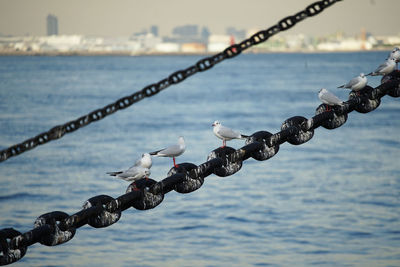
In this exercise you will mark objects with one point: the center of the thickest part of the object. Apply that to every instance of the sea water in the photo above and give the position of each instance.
(332, 201)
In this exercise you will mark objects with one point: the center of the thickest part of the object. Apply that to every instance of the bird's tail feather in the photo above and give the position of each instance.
(244, 136)
(113, 173)
(342, 86)
(155, 152)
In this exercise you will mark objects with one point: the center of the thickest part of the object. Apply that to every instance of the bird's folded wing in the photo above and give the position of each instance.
(352, 82)
(332, 98)
(227, 132)
(170, 150)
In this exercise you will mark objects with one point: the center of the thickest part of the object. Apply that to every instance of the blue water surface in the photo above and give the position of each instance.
(333, 201)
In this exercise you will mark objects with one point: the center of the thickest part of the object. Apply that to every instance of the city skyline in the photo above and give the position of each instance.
(122, 17)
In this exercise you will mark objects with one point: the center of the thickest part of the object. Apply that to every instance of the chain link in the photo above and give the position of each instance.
(103, 218)
(202, 65)
(57, 227)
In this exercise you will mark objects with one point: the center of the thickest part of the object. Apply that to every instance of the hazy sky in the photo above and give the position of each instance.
(124, 17)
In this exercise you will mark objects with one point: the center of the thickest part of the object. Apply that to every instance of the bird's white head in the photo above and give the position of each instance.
(216, 123)
(323, 90)
(362, 75)
(181, 140)
(146, 161)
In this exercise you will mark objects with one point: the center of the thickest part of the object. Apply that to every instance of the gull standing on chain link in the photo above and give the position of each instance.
(172, 151)
(226, 133)
(356, 84)
(141, 169)
(329, 99)
(395, 54)
(385, 68)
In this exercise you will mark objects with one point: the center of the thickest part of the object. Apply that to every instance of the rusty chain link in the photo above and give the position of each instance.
(57, 227)
(176, 77)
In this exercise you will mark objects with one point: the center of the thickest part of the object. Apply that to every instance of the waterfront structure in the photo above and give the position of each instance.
(52, 25)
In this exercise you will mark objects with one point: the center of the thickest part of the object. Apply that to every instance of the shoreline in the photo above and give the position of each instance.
(128, 53)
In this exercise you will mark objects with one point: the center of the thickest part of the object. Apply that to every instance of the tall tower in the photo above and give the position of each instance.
(52, 25)
(154, 30)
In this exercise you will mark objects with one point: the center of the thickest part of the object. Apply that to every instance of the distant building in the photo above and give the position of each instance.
(154, 30)
(186, 31)
(138, 34)
(167, 48)
(217, 43)
(187, 34)
(146, 41)
(205, 33)
(52, 25)
(193, 48)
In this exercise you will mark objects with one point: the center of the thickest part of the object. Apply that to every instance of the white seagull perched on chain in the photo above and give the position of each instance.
(385, 68)
(141, 169)
(395, 54)
(226, 133)
(329, 99)
(172, 151)
(356, 84)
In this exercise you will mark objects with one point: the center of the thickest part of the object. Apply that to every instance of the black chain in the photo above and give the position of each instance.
(176, 77)
(57, 227)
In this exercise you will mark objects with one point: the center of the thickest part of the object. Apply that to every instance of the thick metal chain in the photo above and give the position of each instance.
(57, 227)
(176, 77)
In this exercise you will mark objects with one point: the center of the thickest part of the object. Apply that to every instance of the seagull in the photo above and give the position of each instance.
(140, 169)
(356, 84)
(395, 54)
(132, 174)
(329, 99)
(385, 68)
(172, 151)
(226, 133)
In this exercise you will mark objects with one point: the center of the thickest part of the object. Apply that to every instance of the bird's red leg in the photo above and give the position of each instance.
(327, 108)
(175, 165)
(223, 143)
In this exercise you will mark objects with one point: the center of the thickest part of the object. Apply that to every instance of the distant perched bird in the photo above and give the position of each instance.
(172, 151)
(328, 98)
(356, 84)
(226, 133)
(395, 54)
(132, 174)
(385, 68)
(140, 169)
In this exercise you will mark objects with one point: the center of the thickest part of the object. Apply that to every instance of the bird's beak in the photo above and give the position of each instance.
(213, 124)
